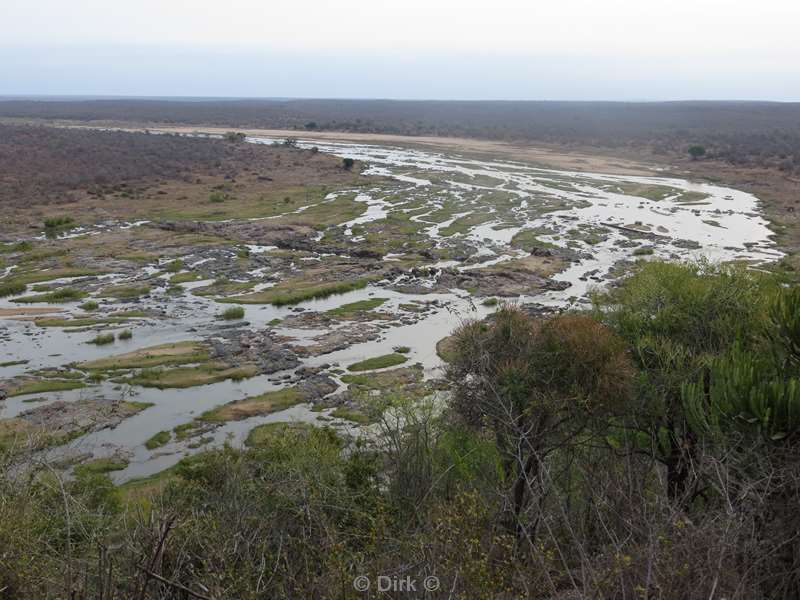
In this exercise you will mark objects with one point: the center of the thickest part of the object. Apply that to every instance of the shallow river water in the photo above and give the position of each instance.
(677, 219)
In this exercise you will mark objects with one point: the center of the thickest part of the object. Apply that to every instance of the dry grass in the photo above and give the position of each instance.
(165, 354)
(264, 404)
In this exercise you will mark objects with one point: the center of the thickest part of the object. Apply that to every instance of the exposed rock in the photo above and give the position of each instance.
(252, 232)
(317, 387)
(339, 339)
(257, 347)
(83, 416)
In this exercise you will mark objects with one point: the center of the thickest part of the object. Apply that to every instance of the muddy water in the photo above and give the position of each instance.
(687, 220)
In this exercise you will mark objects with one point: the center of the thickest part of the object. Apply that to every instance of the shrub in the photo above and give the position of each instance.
(58, 222)
(102, 339)
(378, 362)
(535, 384)
(234, 312)
(11, 289)
(159, 439)
(676, 319)
(696, 151)
(173, 266)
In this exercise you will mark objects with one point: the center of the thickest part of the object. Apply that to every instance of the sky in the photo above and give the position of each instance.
(404, 49)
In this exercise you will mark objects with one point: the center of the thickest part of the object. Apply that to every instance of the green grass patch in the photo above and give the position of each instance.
(102, 339)
(89, 305)
(351, 414)
(185, 277)
(99, 466)
(42, 387)
(445, 349)
(13, 363)
(354, 307)
(221, 287)
(154, 356)
(58, 374)
(527, 239)
(125, 334)
(173, 266)
(82, 322)
(264, 434)
(232, 313)
(295, 292)
(42, 275)
(11, 289)
(263, 404)
(185, 377)
(56, 297)
(160, 439)
(378, 362)
(16, 247)
(58, 222)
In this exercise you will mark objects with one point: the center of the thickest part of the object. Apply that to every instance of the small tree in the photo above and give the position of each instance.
(538, 386)
(348, 163)
(234, 136)
(696, 151)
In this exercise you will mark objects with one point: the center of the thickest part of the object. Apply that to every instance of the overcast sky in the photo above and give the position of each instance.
(447, 49)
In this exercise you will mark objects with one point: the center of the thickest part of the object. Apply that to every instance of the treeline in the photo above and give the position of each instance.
(743, 133)
(647, 448)
(40, 165)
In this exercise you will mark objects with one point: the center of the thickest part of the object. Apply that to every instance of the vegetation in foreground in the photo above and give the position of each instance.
(645, 449)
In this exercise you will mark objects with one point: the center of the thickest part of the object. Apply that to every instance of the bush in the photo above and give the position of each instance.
(11, 289)
(234, 312)
(57, 222)
(696, 151)
(159, 439)
(102, 339)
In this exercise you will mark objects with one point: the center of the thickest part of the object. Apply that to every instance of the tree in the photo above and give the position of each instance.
(696, 151)
(234, 136)
(348, 163)
(536, 385)
(677, 319)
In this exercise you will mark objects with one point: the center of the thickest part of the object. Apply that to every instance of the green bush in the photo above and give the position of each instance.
(11, 289)
(102, 339)
(58, 222)
(234, 312)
